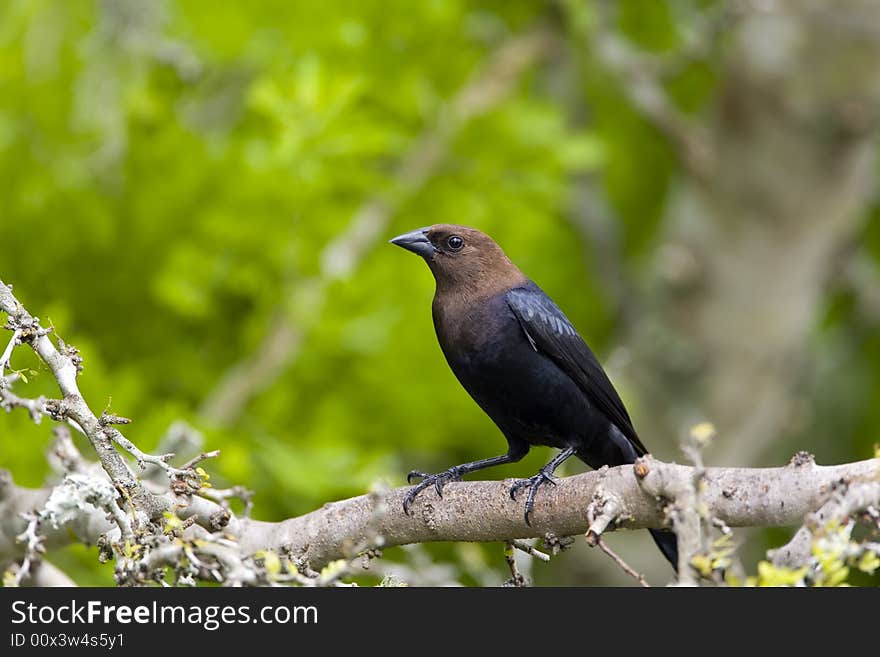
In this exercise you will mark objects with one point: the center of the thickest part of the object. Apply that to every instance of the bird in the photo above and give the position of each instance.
(524, 364)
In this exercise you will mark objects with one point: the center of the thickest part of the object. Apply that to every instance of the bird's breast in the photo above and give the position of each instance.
(487, 350)
(522, 390)
(474, 330)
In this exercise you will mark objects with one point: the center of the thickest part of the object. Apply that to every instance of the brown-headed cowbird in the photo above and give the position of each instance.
(523, 362)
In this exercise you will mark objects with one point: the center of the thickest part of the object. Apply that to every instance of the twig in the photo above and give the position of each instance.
(7, 353)
(516, 578)
(629, 570)
(223, 495)
(179, 439)
(194, 461)
(602, 512)
(530, 550)
(142, 458)
(33, 548)
(36, 408)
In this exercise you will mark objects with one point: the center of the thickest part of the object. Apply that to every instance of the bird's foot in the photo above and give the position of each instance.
(533, 484)
(438, 481)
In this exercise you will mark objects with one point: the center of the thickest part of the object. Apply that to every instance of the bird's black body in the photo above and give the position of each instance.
(518, 356)
(523, 362)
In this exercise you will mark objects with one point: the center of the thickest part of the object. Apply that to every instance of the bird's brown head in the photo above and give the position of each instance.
(462, 259)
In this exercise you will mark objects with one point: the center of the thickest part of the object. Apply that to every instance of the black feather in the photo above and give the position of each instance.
(552, 334)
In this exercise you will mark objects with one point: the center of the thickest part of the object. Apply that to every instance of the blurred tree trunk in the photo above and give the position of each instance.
(772, 196)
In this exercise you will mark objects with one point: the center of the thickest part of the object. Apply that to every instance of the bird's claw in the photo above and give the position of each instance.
(533, 484)
(438, 481)
(416, 474)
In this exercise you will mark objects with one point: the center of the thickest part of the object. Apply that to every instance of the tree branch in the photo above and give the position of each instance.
(483, 511)
(479, 510)
(65, 364)
(845, 502)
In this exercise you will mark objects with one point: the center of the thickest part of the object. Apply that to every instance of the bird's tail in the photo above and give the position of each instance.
(667, 543)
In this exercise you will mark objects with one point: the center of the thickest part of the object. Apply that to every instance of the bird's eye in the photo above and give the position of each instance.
(455, 243)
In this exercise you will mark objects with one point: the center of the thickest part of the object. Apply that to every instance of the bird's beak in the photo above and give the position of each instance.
(416, 241)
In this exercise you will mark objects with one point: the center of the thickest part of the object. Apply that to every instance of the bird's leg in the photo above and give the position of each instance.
(439, 480)
(544, 476)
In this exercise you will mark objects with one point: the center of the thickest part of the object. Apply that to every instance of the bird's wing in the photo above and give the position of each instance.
(550, 333)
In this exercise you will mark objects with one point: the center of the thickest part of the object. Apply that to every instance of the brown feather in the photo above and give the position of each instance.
(480, 270)
(465, 278)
